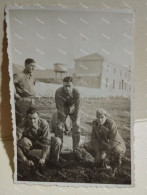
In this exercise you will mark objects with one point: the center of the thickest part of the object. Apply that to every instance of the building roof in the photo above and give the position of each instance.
(98, 57)
(94, 56)
(58, 67)
(87, 75)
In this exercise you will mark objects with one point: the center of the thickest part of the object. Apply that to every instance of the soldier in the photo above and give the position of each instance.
(24, 89)
(106, 140)
(67, 100)
(34, 133)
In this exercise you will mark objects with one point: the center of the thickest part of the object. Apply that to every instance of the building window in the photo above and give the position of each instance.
(113, 84)
(120, 72)
(126, 75)
(122, 84)
(119, 84)
(107, 67)
(125, 85)
(114, 70)
(106, 82)
(129, 76)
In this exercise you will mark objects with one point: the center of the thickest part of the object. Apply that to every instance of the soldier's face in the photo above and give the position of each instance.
(30, 67)
(101, 118)
(68, 86)
(32, 119)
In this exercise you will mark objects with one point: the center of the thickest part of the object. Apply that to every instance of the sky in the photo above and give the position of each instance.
(60, 36)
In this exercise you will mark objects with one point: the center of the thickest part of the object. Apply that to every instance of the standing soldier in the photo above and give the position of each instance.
(67, 100)
(24, 89)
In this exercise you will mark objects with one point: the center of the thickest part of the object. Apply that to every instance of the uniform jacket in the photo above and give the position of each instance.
(24, 84)
(67, 104)
(105, 134)
(40, 134)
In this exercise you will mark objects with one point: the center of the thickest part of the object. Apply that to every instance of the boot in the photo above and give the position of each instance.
(76, 141)
(103, 164)
(77, 154)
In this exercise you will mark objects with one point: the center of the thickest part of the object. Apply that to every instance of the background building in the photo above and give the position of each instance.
(94, 71)
(55, 75)
(93, 74)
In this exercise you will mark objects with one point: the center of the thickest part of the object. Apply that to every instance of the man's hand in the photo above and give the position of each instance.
(103, 155)
(60, 126)
(107, 146)
(78, 122)
(29, 162)
(42, 161)
(17, 97)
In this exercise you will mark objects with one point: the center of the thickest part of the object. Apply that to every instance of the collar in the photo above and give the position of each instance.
(70, 94)
(25, 72)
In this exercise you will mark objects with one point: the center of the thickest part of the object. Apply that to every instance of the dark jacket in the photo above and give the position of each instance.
(40, 137)
(67, 104)
(42, 134)
(106, 134)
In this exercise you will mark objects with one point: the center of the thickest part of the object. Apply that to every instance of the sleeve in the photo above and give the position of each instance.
(94, 139)
(15, 78)
(77, 105)
(15, 81)
(20, 130)
(20, 154)
(45, 139)
(19, 133)
(59, 105)
(46, 134)
(113, 131)
(78, 102)
(59, 101)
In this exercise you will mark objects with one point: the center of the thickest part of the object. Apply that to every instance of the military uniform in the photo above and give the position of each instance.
(106, 138)
(38, 137)
(68, 105)
(24, 87)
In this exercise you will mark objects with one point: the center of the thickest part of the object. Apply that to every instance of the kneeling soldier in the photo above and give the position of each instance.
(34, 133)
(106, 139)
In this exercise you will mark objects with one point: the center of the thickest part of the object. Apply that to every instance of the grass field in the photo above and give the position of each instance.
(73, 171)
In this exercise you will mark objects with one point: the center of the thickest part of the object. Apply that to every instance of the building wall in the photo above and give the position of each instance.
(116, 79)
(44, 73)
(88, 73)
(111, 78)
(88, 81)
(88, 66)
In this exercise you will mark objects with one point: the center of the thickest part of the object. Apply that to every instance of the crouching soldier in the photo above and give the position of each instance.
(33, 134)
(106, 139)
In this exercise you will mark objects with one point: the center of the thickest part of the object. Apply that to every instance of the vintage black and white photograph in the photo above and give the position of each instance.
(71, 85)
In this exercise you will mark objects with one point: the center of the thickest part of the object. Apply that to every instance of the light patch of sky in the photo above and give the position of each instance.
(72, 28)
